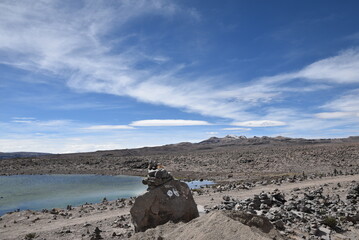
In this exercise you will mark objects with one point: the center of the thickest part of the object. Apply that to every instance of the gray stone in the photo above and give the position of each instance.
(279, 225)
(324, 233)
(171, 201)
(353, 193)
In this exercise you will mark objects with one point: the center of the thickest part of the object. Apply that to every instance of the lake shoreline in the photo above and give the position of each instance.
(112, 217)
(36, 192)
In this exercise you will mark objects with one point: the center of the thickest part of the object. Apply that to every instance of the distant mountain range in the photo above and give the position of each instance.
(7, 155)
(243, 140)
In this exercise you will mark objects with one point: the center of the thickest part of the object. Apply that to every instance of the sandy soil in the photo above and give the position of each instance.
(113, 219)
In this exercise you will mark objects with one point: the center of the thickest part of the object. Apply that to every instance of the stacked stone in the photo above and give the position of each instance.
(157, 175)
(166, 200)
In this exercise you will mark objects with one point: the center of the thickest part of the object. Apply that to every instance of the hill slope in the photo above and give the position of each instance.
(217, 158)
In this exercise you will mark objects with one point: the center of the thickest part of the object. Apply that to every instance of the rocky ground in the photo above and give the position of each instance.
(220, 159)
(305, 207)
(305, 189)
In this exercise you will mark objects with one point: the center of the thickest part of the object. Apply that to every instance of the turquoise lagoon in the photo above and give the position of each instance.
(38, 192)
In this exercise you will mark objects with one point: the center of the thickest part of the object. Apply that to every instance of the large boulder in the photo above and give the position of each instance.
(172, 201)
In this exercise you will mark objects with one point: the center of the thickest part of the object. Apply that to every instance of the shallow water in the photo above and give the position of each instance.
(199, 184)
(57, 191)
(37, 192)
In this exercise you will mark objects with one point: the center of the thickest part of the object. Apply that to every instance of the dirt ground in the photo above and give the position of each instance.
(113, 219)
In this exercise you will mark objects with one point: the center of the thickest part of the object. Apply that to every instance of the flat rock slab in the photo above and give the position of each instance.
(172, 201)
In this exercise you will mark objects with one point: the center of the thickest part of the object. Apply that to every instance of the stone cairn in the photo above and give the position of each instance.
(166, 200)
(157, 176)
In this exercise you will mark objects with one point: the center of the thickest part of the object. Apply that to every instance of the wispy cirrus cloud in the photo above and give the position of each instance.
(29, 121)
(335, 115)
(339, 69)
(75, 43)
(212, 133)
(345, 106)
(348, 102)
(82, 137)
(23, 118)
(236, 129)
(168, 122)
(260, 123)
(108, 127)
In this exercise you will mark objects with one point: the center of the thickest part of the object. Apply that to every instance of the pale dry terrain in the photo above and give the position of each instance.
(112, 218)
(243, 167)
(216, 158)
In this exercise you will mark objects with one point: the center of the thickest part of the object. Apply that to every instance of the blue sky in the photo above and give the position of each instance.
(92, 75)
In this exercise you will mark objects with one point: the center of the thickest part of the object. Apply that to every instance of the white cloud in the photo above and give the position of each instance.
(168, 122)
(108, 127)
(43, 37)
(236, 129)
(52, 123)
(333, 115)
(74, 106)
(260, 123)
(348, 102)
(311, 126)
(39, 36)
(22, 121)
(343, 68)
(340, 69)
(37, 123)
(23, 118)
(345, 107)
(212, 133)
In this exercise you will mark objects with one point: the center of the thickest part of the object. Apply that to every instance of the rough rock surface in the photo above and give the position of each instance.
(309, 212)
(172, 201)
(353, 193)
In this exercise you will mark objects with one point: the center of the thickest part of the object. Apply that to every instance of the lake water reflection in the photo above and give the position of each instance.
(37, 192)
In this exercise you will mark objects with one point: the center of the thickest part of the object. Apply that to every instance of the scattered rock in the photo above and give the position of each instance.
(96, 234)
(303, 211)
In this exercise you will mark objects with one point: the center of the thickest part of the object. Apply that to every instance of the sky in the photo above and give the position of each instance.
(78, 76)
